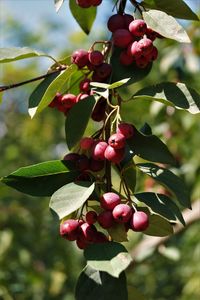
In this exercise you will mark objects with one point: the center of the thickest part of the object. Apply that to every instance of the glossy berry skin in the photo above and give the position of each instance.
(98, 150)
(122, 213)
(109, 200)
(87, 231)
(122, 38)
(68, 100)
(69, 229)
(139, 221)
(146, 45)
(114, 155)
(137, 27)
(85, 85)
(95, 58)
(105, 219)
(103, 71)
(125, 59)
(116, 22)
(86, 143)
(80, 58)
(134, 50)
(126, 129)
(117, 141)
(96, 165)
(91, 217)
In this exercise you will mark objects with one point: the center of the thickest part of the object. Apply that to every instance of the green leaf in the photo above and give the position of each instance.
(42, 179)
(110, 86)
(169, 180)
(176, 8)
(110, 257)
(93, 284)
(118, 233)
(162, 205)
(77, 120)
(84, 16)
(70, 197)
(58, 4)
(129, 175)
(151, 148)
(39, 91)
(178, 95)
(166, 25)
(57, 85)
(119, 71)
(12, 54)
(158, 227)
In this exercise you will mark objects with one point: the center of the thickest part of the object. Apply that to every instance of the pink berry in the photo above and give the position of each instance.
(91, 217)
(103, 71)
(122, 213)
(96, 58)
(122, 38)
(86, 143)
(109, 200)
(56, 100)
(85, 85)
(117, 141)
(153, 55)
(80, 58)
(114, 155)
(134, 50)
(139, 221)
(87, 231)
(126, 129)
(146, 45)
(81, 96)
(105, 219)
(68, 100)
(115, 22)
(69, 229)
(125, 59)
(96, 165)
(138, 27)
(98, 150)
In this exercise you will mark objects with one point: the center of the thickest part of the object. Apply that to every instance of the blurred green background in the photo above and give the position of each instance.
(35, 263)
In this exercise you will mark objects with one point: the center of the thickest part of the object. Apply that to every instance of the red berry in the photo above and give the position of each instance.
(55, 101)
(95, 2)
(122, 213)
(86, 143)
(114, 155)
(80, 58)
(71, 157)
(98, 150)
(81, 243)
(83, 3)
(122, 38)
(82, 163)
(100, 237)
(96, 58)
(105, 219)
(98, 113)
(153, 55)
(85, 85)
(116, 22)
(117, 141)
(103, 71)
(125, 59)
(139, 221)
(134, 50)
(138, 27)
(146, 45)
(142, 62)
(91, 217)
(96, 165)
(127, 20)
(81, 96)
(87, 231)
(109, 200)
(126, 129)
(151, 34)
(69, 229)
(68, 100)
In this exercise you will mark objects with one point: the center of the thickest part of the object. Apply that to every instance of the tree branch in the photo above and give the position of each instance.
(190, 216)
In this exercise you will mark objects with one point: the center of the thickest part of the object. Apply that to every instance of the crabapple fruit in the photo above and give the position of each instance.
(122, 38)
(109, 200)
(95, 58)
(114, 155)
(98, 150)
(91, 217)
(139, 221)
(117, 141)
(105, 219)
(138, 27)
(122, 213)
(116, 22)
(126, 129)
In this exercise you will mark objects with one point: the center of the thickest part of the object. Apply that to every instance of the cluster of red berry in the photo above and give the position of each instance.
(113, 211)
(88, 3)
(135, 38)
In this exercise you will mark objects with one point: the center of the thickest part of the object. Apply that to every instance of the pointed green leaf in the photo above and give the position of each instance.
(129, 175)
(169, 180)
(110, 257)
(39, 91)
(151, 148)
(42, 179)
(166, 25)
(158, 227)
(118, 233)
(110, 86)
(77, 120)
(119, 71)
(70, 197)
(58, 4)
(12, 54)
(162, 205)
(178, 95)
(57, 85)
(93, 284)
(84, 16)
(176, 8)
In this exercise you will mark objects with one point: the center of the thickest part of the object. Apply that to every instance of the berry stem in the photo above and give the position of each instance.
(122, 6)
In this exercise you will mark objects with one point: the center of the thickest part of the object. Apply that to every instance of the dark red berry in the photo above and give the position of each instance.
(138, 27)
(104, 70)
(96, 165)
(86, 143)
(95, 58)
(105, 219)
(91, 217)
(122, 38)
(80, 58)
(125, 59)
(116, 22)
(117, 141)
(85, 85)
(126, 129)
